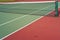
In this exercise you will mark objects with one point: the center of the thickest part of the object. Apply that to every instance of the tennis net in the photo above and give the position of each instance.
(41, 8)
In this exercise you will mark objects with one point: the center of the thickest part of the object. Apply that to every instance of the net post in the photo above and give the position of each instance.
(56, 8)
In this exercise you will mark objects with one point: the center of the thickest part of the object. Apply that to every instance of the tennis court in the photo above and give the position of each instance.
(17, 16)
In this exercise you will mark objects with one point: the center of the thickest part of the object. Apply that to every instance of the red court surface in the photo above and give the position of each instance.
(46, 28)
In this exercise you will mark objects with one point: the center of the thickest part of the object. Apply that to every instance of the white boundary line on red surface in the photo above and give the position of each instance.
(27, 24)
(26, 2)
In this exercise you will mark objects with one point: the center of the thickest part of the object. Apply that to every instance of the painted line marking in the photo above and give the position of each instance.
(25, 25)
(0, 39)
(20, 17)
(26, 2)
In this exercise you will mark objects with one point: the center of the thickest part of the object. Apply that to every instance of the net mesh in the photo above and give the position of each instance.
(41, 8)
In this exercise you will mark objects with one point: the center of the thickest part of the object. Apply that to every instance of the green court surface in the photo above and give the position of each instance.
(15, 16)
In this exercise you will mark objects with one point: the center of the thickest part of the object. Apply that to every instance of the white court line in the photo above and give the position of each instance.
(21, 17)
(25, 25)
(12, 20)
(0, 39)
